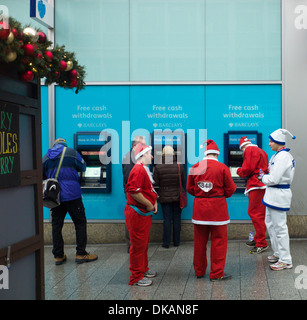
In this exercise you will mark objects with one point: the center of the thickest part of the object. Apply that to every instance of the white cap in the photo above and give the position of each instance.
(279, 136)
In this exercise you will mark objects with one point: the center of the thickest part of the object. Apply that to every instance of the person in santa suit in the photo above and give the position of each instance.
(210, 182)
(141, 205)
(277, 199)
(254, 159)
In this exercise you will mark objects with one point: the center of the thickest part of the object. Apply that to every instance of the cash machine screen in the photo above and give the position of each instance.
(92, 172)
(233, 156)
(97, 177)
(233, 171)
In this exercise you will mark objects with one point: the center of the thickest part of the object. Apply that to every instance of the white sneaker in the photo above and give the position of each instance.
(144, 282)
(280, 266)
(150, 274)
(272, 258)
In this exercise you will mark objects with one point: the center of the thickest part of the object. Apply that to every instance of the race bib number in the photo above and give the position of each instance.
(205, 186)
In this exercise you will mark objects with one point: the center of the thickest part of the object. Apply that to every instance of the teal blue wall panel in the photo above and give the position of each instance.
(243, 40)
(200, 111)
(167, 40)
(98, 31)
(45, 129)
(173, 108)
(242, 107)
(96, 108)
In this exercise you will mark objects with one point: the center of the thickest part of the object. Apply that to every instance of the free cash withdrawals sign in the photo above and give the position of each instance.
(9, 146)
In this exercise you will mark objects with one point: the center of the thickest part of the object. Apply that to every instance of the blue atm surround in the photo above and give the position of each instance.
(95, 149)
(233, 156)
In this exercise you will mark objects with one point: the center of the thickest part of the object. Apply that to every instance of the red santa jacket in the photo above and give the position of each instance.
(211, 183)
(139, 181)
(254, 159)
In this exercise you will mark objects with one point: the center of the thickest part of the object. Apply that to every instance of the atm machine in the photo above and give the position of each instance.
(175, 139)
(95, 149)
(233, 156)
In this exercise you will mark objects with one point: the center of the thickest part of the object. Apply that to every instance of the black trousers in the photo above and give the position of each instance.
(76, 211)
(171, 213)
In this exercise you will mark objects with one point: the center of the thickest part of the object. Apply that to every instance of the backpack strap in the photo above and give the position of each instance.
(60, 164)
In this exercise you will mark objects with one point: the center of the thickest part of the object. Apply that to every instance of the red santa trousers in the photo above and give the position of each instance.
(256, 211)
(218, 249)
(139, 232)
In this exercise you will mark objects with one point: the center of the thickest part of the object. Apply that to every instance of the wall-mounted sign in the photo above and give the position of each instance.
(9, 146)
(42, 12)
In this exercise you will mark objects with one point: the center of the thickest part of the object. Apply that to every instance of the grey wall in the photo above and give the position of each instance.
(295, 95)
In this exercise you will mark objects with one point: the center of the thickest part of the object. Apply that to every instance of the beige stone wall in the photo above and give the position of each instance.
(115, 232)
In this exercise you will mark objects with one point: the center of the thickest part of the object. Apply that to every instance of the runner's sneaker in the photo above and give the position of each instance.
(272, 258)
(251, 243)
(144, 282)
(150, 274)
(258, 250)
(225, 277)
(280, 265)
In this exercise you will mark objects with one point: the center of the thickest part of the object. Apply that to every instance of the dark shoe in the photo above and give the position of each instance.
(225, 277)
(60, 260)
(86, 258)
(257, 250)
(165, 246)
(199, 277)
(251, 243)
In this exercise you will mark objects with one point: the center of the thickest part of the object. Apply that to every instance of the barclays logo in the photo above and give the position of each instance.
(41, 9)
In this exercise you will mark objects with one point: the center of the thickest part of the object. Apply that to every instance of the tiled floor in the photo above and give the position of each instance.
(107, 278)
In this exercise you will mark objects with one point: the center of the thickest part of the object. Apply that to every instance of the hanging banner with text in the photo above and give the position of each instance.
(9, 145)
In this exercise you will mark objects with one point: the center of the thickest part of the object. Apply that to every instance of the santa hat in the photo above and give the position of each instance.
(279, 136)
(140, 150)
(243, 141)
(211, 147)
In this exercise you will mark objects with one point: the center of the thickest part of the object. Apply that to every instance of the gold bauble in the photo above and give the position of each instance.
(32, 33)
(11, 56)
(10, 38)
(69, 65)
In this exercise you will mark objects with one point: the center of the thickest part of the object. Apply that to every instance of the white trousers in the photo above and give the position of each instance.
(276, 223)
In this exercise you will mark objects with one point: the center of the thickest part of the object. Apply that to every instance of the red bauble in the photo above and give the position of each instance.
(73, 83)
(4, 30)
(41, 37)
(27, 76)
(39, 55)
(49, 55)
(63, 65)
(73, 74)
(28, 49)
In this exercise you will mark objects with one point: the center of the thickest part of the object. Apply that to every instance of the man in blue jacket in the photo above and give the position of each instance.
(71, 200)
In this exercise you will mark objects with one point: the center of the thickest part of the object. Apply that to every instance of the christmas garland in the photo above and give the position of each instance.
(33, 55)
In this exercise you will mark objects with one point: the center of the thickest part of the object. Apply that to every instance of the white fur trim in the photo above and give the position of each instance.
(142, 152)
(213, 223)
(211, 151)
(244, 143)
(254, 188)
